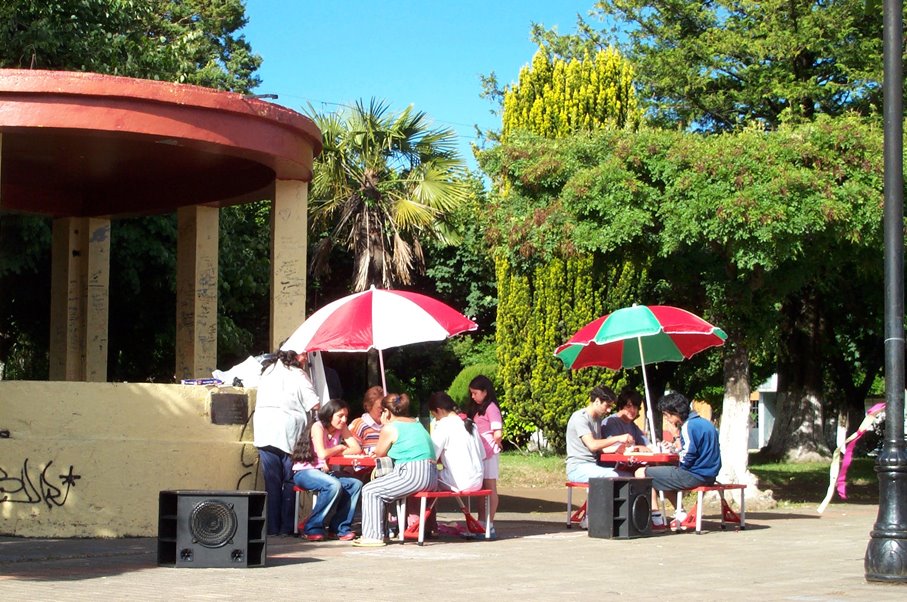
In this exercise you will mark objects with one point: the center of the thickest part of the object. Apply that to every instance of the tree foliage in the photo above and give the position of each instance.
(382, 182)
(555, 97)
(729, 226)
(724, 64)
(546, 290)
(185, 41)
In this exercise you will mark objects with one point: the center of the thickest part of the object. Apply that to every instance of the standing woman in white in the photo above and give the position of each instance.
(285, 397)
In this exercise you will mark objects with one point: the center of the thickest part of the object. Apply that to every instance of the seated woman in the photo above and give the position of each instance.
(326, 437)
(457, 446)
(367, 428)
(407, 442)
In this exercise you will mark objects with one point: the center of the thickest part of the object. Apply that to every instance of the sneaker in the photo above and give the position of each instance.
(584, 524)
(494, 534)
(315, 537)
(347, 536)
(679, 522)
(658, 523)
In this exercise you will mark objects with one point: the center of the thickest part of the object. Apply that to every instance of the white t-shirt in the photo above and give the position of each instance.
(461, 454)
(285, 395)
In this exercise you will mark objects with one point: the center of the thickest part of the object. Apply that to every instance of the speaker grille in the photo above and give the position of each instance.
(213, 523)
(641, 512)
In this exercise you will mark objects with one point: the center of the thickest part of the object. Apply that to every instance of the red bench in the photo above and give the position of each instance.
(578, 516)
(728, 516)
(472, 525)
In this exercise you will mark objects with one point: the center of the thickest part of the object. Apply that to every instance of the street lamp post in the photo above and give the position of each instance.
(886, 554)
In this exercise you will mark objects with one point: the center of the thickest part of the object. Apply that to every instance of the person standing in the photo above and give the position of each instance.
(484, 411)
(285, 397)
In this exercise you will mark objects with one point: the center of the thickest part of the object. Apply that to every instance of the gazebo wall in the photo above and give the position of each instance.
(88, 459)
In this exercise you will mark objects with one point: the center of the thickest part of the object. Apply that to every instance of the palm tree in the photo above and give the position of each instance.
(382, 181)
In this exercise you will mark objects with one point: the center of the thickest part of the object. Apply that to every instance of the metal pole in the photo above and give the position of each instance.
(650, 412)
(886, 554)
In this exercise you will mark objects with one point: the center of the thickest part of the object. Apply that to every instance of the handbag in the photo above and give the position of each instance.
(383, 466)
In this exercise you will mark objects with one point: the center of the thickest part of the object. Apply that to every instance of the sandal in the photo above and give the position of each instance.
(364, 542)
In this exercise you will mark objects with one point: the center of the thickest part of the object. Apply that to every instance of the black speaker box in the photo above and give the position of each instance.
(212, 529)
(619, 508)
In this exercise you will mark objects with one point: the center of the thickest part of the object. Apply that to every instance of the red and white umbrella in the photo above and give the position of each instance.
(377, 319)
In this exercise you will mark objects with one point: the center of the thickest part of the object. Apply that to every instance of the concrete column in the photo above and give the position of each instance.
(289, 236)
(196, 291)
(80, 297)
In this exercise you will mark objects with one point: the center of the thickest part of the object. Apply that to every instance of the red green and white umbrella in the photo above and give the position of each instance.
(377, 319)
(640, 335)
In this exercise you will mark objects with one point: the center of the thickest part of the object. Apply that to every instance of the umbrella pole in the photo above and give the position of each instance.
(650, 414)
(381, 361)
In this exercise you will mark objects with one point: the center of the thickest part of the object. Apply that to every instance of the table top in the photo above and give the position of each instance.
(642, 458)
(357, 461)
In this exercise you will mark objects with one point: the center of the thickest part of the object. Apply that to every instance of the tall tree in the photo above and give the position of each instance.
(725, 63)
(555, 98)
(185, 41)
(382, 182)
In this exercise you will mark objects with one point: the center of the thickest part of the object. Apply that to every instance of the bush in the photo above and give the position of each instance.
(459, 388)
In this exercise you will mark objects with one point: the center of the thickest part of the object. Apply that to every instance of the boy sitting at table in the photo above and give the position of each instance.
(584, 441)
(700, 456)
(621, 421)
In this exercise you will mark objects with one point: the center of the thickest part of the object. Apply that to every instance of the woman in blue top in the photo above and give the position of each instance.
(406, 441)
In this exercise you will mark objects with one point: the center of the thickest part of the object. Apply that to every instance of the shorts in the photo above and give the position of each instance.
(674, 478)
(491, 467)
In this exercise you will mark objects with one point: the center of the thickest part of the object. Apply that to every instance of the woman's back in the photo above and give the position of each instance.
(412, 444)
(460, 452)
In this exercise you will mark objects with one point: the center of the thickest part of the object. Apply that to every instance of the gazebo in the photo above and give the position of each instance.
(82, 456)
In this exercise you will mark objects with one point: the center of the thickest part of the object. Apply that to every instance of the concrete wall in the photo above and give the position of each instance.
(88, 459)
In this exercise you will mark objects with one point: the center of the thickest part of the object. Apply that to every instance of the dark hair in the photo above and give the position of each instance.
(481, 383)
(290, 359)
(675, 403)
(604, 393)
(372, 394)
(629, 397)
(304, 451)
(396, 403)
(440, 400)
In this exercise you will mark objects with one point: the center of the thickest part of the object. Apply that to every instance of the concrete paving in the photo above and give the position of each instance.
(782, 555)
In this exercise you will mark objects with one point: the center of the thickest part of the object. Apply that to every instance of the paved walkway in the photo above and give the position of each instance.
(782, 555)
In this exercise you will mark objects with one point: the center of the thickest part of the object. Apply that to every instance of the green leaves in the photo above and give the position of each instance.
(382, 182)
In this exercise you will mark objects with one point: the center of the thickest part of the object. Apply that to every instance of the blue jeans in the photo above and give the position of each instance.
(277, 472)
(331, 488)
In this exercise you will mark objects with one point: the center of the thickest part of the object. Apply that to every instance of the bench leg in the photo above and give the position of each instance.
(423, 516)
(401, 518)
(742, 508)
(488, 516)
(569, 507)
(296, 516)
(698, 513)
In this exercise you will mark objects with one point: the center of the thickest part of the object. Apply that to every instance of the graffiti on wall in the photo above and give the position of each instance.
(248, 459)
(35, 485)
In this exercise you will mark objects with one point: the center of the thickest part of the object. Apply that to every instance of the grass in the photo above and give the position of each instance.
(791, 484)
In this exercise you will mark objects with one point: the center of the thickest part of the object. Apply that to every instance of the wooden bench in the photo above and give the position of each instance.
(728, 516)
(472, 525)
(575, 518)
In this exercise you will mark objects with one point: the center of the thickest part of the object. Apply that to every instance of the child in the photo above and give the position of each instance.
(327, 437)
(700, 456)
(484, 411)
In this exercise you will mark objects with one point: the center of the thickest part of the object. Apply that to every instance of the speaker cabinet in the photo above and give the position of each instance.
(619, 508)
(205, 529)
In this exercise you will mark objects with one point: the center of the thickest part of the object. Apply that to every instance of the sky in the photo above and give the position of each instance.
(427, 53)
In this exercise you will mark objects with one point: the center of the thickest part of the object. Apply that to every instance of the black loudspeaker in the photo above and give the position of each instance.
(619, 508)
(205, 529)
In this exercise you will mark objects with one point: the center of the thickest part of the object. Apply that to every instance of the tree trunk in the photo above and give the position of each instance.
(735, 419)
(374, 369)
(798, 434)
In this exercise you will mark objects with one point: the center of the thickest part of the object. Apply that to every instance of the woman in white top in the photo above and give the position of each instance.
(285, 397)
(458, 446)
